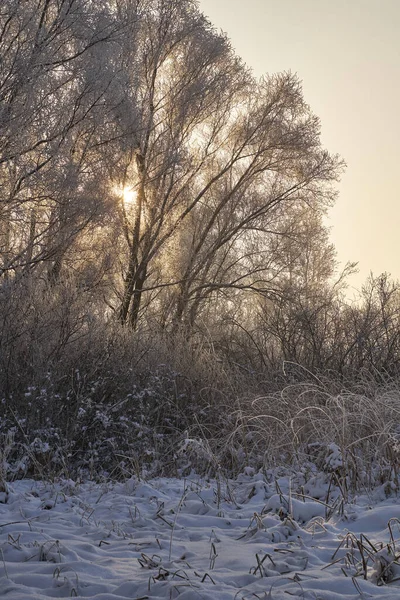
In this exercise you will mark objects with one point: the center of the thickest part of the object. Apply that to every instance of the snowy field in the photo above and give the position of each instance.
(255, 537)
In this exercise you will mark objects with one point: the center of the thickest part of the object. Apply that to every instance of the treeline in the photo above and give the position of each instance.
(162, 211)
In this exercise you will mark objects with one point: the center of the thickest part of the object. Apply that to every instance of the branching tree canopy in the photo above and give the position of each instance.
(142, 100)
(216, 160)
(51, 103)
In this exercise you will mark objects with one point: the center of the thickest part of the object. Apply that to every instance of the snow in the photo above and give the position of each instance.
(196, 539)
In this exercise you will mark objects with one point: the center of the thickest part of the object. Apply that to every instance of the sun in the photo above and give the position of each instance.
(129, 195)
(126, 193)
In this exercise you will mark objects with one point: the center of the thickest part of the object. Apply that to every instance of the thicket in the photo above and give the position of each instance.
(169, 297)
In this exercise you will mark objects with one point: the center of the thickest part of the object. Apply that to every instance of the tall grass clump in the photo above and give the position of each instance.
(354, 433)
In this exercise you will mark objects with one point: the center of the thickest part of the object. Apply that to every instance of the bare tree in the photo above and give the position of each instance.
(213, 156)
(51, 96)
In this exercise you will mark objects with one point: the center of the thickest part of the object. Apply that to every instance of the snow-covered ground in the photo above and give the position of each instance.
(195, 539)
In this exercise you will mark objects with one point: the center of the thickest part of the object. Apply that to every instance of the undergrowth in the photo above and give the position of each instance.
(157, 421)
(82, 396)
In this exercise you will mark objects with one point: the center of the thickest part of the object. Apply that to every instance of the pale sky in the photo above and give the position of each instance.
(347, 53)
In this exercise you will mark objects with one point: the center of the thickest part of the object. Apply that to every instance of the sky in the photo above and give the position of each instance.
(347, 54)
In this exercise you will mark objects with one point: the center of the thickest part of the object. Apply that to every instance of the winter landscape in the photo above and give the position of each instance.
(190, 405)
